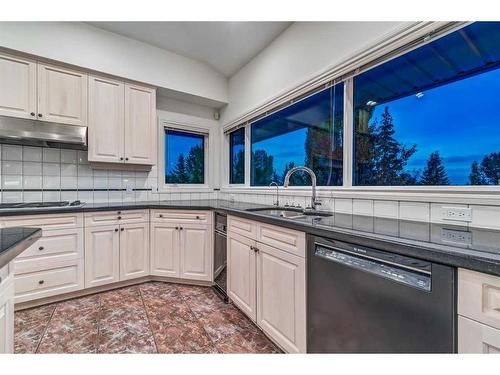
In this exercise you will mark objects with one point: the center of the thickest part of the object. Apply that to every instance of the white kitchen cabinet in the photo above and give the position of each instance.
(268, 283)
(102, 255)
(134, 251)
(140, 120)
(62, 95)
(165, 249)
(195, 252)
(106, 120)
(241, 273)
(281, 297)
(6, 312)
(18, 95)
(475, 337)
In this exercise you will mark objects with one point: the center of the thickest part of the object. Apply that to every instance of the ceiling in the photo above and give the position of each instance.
(225, 46)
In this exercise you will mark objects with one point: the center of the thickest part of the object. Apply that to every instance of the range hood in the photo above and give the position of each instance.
(28, 132)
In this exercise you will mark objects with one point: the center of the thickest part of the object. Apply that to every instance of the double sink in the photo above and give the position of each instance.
(291, 213)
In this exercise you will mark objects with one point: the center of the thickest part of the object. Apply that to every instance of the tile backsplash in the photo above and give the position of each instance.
(35, 174)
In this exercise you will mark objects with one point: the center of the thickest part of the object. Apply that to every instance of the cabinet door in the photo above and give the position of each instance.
(134, 251)
(62, 95)
(475, 337)
(106, 120)
(102, 254)
(140, 129)
(196, 252)
(281, 297)
(165, 250)
(241, 273)
(18, 87)
(7, 316)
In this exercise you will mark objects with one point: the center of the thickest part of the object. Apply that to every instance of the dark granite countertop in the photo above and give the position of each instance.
(418, 239)
(13, 241)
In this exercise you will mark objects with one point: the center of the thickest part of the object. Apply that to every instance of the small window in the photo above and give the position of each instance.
(184, 157)
(237, 157)
(307, 133)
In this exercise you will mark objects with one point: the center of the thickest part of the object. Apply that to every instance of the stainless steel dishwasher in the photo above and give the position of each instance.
(364, 300)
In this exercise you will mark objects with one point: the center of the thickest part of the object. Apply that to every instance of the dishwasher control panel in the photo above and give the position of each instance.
(404, 276)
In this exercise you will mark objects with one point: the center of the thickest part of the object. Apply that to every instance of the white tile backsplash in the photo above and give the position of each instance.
(362, 207)
(388, 209)
(32, 154)
(10, 152)
(415, 211)
(68, 157)
(343, 205)
(32, 168)
(51, 155)
(12, 167)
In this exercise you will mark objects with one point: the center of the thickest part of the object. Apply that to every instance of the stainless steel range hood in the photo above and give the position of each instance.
(43, 134)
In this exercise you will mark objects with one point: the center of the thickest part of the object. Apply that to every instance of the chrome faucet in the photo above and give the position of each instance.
(314, 201)
(277, 203)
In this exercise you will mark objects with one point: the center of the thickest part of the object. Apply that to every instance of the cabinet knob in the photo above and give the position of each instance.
(126, 159)
(122, 229)
(116, 229)
(176, 228)
(119, 212)
(119, 217)
(41, 282)
(161, 215)
(41, 248)
(181, 228)
(197, 217)
(40, 115)
(121, 158)
(32, 113)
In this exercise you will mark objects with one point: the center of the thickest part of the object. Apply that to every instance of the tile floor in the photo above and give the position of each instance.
(152, 317)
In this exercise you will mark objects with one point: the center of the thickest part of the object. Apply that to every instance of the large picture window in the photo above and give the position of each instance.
(309, 133)
(184, 157)
(431, 116)
(237, 156)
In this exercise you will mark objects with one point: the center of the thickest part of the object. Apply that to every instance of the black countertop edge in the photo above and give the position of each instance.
(450, 255)
(13, 241)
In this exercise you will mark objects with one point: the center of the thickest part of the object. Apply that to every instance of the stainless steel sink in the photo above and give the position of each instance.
(290, 213)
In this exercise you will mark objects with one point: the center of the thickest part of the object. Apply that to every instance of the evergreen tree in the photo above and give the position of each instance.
(476, 176)
(262, 168)
(490, 168)
(179, 175)
(194, 162)
(435, 172)
(389, 156)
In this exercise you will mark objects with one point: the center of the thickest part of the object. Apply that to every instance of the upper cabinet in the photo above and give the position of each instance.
(140, 117)
(41, 91)
(106, 120)
(62, 95)
(121, 122)
(18, 95)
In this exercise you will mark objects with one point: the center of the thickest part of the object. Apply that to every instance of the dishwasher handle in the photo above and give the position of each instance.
(392, 272)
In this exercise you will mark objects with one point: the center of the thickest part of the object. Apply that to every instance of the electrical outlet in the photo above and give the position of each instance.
(456, 213)
(456, 236)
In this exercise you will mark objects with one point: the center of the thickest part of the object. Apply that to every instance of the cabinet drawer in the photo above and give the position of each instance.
(244, 227)
(479, 297)
(47, 283)
(54, 247)
(115, 217)
(46, 222)
(475, 337)
(281, 238)
(181, 217)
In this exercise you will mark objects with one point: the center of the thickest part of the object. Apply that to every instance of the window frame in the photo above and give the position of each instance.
(229, 159)
(163, 187)
(480, 194)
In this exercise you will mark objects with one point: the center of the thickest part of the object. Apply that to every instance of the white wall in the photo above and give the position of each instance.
(92, 48)
(301, 52)
(179, 106)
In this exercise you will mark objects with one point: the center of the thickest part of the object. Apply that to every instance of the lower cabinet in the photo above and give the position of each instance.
(6, 312)
(102, 255)
(269, 285)
(116, 252)
(241, 273)
(134, 251)
(181, 251)
(475, 337)
(281, 297)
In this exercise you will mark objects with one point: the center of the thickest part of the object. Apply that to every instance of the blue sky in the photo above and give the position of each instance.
(177, 143)
(460, 120)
